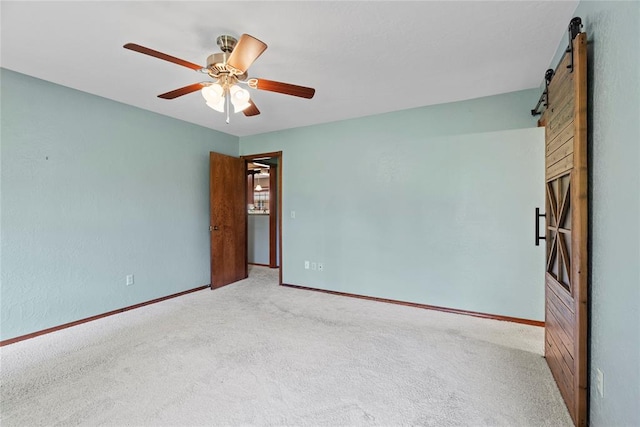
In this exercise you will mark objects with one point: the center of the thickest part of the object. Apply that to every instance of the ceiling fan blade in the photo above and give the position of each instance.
(286, 88)
(182, 91)
(160, 55)
(251, 110)
(247, 50)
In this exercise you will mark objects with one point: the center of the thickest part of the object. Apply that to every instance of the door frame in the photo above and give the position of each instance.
(274, 154)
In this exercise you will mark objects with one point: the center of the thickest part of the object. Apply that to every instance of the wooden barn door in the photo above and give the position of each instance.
(565, 120)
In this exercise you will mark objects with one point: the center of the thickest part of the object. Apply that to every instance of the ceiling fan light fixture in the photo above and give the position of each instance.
(213, 92)
(214, 95)
(218, 106)
(240, 108)
(239, 98)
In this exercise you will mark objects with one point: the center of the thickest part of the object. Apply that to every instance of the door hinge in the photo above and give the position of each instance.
(211, 228)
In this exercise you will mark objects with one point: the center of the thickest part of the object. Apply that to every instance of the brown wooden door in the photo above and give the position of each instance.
(227, 190)
(566, 321)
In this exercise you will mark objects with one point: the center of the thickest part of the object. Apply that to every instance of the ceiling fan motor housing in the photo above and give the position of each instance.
(216, 62)
(217, 65)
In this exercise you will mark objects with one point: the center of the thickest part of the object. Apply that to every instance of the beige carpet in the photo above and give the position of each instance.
(254, 353)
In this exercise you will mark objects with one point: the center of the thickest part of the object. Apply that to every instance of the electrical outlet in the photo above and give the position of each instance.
(293, 214)
(600, 382)
(306, 265)
(313, 265)
(320, 266)
(129, 279)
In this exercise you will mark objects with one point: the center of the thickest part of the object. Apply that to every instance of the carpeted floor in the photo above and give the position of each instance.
(254, 353)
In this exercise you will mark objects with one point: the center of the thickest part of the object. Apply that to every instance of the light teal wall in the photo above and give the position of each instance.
(431, 205)
(614, 141)
(93, 190)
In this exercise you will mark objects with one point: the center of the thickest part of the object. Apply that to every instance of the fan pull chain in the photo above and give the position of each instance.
(227, 100)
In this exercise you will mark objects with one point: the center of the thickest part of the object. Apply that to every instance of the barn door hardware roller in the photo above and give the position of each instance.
(574, 30)
(544, 98)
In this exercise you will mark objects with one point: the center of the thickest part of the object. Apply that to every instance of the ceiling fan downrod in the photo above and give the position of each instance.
(226, 43)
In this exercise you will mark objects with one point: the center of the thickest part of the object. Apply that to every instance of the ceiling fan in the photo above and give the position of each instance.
(228, 69)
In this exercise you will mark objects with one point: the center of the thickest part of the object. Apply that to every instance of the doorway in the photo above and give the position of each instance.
(264, 209)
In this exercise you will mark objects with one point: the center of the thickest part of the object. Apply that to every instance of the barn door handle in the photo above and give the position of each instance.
(538, 236)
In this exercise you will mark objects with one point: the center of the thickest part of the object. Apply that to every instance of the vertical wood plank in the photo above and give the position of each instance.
(579, 226)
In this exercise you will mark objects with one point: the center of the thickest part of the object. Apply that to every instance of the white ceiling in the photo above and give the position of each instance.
(363, 58)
